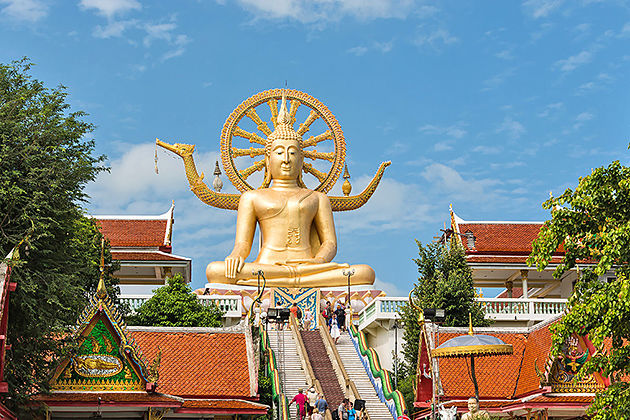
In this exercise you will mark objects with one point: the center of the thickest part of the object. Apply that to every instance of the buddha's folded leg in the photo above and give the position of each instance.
(215, 273)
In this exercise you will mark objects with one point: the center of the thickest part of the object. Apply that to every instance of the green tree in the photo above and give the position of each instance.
(445, 282)
(174, 305)
(45, 163)
(592, 223)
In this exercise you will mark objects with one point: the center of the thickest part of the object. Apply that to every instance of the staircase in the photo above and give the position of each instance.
(376, 409)
(288, 362)
(323, 367)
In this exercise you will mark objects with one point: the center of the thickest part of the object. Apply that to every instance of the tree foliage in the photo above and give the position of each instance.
(445, 282)
(174, 305)
(45, 163)
(592, 223)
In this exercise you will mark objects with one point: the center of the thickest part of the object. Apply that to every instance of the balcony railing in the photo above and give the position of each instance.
(230, 305)
(506, 309)
(381, 308)
(497, 309)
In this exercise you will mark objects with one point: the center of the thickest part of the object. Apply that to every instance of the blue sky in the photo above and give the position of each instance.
(487, 105)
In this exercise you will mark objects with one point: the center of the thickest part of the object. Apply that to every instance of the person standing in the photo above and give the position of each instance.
(334, 329)
(308, 318)
(352, 414)
(341, 316)
(316, 415)
(311, 397)
(343, 409)
(327, 314)
(300, 401)
(321, 404)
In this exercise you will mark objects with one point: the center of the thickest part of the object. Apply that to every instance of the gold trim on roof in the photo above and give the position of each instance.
(480, 350)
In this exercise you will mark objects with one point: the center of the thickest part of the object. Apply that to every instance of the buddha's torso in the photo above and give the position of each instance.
(285, 218)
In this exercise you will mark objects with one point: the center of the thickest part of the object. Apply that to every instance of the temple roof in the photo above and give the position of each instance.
(137, 231)
(199, 364)
(529, 377)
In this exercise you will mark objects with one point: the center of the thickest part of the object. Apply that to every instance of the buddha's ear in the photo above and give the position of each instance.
(267, 178)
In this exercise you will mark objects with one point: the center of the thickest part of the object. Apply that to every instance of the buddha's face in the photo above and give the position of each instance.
(473, 405)
(285, 159)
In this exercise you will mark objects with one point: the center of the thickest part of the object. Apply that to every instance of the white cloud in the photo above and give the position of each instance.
(498, 79)
(382, 47)
(625, 31)
(358, 50)
(110, 8)
(584, 116)
(455, 130)
(436, 38)
(512, 128)
(505, 54)
(453, 185)
(165, 32)
(541, 8)
(575, 61)
(24, 10)
(321, 11)
(488, 150)
(550, 108)
(394, 206)
(114, 29)
(389, 288)
(443, 146)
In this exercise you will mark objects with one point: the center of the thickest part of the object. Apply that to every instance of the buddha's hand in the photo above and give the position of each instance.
(306, 261)
(233, 264)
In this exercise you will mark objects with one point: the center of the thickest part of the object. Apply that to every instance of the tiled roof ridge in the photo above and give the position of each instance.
(150, 251)
(223, 399)
(240, 328)
(479, 330)
(520, 367)
(164, 216)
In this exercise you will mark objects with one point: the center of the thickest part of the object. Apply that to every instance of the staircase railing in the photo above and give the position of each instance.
(330, 344)
(272, 372)
(307, 363)
(392, 397)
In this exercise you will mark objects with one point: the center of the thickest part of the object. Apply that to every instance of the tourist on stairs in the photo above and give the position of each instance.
(334, 329)
(300, 400)
(321, 404)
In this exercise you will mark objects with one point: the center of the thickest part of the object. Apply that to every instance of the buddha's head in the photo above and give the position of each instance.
(283, 150)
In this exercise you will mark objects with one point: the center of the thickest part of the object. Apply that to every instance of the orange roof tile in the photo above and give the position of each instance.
(536, 353)
(134, 232)
(491, 385)
(223, 404)
(198, 364)
(501, 238)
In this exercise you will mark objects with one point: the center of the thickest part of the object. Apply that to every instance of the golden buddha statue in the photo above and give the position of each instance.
(297, 230)
(296, 225)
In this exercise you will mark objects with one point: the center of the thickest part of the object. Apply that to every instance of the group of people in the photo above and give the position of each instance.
(336, 320)
(313, 406)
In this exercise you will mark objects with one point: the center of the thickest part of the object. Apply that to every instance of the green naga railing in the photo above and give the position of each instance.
(272, 372)
(393, 397)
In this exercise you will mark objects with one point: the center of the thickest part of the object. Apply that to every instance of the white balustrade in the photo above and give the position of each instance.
(229, 305)
(498, 309)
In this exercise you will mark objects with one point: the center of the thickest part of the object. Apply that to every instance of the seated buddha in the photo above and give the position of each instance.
(296, 226)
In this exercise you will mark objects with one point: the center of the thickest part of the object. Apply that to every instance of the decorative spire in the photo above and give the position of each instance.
(217, 184)
(101, 292)
(346, 187)
(470, 329)
(283, 115)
